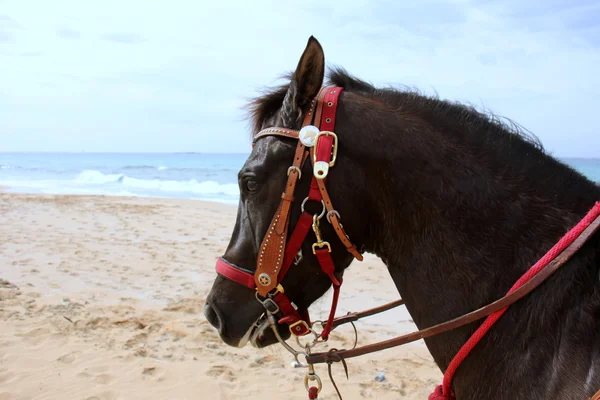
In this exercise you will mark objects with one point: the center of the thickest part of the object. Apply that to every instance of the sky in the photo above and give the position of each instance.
(154, 76)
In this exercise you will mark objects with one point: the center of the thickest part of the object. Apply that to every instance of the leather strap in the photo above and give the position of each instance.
(235, 273)
(285, 132)
(270, 256)
(334, 219)
(499, 304)
(355, 316)
(271, 253)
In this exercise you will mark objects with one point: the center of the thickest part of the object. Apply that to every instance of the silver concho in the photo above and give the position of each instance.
(308, 134)
(264, 279)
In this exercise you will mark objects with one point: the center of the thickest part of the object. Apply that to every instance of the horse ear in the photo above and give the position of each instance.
(306, 81)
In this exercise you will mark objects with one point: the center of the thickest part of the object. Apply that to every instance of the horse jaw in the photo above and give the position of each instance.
(250, 335)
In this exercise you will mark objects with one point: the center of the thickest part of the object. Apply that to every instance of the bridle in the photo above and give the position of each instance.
(277, 252)
(318, 143)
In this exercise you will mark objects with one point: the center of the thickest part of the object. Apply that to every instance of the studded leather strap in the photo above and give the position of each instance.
(285, 132)
(272, 249)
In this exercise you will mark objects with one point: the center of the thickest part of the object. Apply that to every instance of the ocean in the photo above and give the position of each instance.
(172, 175)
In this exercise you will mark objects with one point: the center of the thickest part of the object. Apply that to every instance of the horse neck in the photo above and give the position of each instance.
(458, 227)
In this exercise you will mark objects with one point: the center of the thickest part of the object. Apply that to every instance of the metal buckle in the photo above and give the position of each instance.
(317, 230)
(335, 146)
(297, 324)
(321, 245)
(333, 212)
(294, 168)
(278, 289)
(270, 306)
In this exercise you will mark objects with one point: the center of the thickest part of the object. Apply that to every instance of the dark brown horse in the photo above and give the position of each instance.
(458, 204)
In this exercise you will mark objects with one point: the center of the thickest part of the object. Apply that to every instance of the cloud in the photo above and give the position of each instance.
(8, 22)
(128, 38)
(181, 74)
(68, 33)
(7, 26)
(32, 54)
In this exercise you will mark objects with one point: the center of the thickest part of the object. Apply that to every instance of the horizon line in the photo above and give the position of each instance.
(583, 157)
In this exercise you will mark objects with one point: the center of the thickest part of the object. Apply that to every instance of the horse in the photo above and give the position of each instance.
(457, 203)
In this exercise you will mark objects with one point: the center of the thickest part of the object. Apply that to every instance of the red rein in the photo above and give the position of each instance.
(444, 391)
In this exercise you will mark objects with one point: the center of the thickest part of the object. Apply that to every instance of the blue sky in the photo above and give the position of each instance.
(172, 76)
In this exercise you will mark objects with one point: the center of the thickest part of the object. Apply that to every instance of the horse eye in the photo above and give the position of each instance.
(252, 186)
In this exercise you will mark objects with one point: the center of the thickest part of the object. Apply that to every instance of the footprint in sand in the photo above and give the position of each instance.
(6, 377)
(223, 372)
(104, 379)
(69, 357)
(104, 396)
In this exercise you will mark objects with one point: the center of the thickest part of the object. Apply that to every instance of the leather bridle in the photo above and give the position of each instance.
(318, 143)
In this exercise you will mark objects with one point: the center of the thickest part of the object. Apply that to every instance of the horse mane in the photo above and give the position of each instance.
(263, 107)
(465, 115)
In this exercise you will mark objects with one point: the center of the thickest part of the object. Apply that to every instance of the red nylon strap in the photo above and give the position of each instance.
(295, 242)
(314, 193)
(323, 147)
(235, 273)
(330, 108)
(291, 315)
(327, 265)
(334, 303)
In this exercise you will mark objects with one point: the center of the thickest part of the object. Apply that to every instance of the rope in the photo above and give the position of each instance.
(445, 392)
(439, 395)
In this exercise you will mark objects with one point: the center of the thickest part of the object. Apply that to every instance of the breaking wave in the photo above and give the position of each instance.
(92, 177)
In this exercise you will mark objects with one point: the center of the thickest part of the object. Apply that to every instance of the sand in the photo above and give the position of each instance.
(102, 298)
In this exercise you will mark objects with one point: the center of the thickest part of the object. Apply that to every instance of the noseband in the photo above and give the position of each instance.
(318, 142)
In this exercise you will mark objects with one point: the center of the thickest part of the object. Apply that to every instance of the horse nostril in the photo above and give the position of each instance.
(212, 316)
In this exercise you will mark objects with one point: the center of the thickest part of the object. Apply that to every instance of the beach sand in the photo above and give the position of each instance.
(102, 298)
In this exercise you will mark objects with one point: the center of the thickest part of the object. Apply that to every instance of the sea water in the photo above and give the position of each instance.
(175, 175)
(178, 175)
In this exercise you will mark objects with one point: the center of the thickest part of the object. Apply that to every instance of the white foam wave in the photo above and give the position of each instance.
(96, 182)
(97, 178)
(91, 177)
(160, 167)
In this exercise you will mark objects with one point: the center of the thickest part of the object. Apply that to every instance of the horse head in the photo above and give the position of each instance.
(232, 307)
